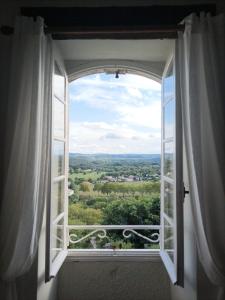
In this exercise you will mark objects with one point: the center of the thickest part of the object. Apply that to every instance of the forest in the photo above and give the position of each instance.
(121, 189)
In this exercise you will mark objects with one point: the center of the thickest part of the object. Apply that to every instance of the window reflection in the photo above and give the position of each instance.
(58, 118)
(169, 119)
(169, 159)
(169, 239)
(59, 83)
(57, 198)
(58, 158)
(168, 199)
(169, 84)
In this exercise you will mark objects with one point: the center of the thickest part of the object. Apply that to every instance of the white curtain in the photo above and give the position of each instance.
(201, 59)
(27, 151)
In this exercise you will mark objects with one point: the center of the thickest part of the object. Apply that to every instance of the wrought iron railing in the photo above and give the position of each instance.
(101, 236)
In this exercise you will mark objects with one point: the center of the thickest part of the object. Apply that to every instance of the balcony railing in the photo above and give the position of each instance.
(101, 236)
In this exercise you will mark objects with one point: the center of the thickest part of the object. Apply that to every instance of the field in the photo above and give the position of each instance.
(118, 190)
(87, 175)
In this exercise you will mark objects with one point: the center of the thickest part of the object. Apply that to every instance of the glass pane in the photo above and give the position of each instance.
(57, 198)
(169, 239)
(57, 240)
(169, 159)
(58, 159)
(59, 83)
(58, 113)
(169, 119)
(169, 83)
(168, 199)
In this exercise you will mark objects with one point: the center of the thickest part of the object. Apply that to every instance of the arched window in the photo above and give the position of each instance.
(118, 183)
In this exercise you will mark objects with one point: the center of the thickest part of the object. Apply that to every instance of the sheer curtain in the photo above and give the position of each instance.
(201, 59)
(27, 151)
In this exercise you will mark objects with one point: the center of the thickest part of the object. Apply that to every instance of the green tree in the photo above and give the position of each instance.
(86, 186)
(79, 214)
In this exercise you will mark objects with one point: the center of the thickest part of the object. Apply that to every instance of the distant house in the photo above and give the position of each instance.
(109, 178)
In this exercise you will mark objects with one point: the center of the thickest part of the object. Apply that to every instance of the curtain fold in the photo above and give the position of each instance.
(27, 151)
(201, 59)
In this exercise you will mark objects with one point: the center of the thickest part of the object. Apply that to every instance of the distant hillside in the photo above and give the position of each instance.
(76, 159)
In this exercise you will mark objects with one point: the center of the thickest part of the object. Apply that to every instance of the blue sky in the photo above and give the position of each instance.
(109, 115)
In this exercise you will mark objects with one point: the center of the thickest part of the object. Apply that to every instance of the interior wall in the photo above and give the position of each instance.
(113, 280)
(189, 291)
(195, 279)
(28, 280)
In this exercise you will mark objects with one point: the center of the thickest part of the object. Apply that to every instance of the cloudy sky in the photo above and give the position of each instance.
(109, 115)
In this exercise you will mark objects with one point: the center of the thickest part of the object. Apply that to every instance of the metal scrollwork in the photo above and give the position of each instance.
(127, 233)
(101, 234)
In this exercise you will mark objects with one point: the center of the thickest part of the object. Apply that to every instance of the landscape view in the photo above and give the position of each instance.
(114, 167)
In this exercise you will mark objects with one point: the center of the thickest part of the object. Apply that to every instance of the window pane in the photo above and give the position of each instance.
(168, 199)
(169, 239)
(169, 84)
(57, 241)
(58, 118)
(57, 198)
(169, 119)
(59, 83)
(169, 159)
(58, 158)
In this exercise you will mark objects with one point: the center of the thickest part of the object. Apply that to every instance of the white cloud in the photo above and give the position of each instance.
(146, 115)
(88, 137)
(112, 135)
(135, 102)
(134, 92)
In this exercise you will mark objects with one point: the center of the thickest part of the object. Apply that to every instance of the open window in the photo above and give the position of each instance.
(171, 247)
(171, 232)
(56, 237)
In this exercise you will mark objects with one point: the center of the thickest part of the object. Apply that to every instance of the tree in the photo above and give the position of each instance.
(141, 211)
(79, 214)
(86, 186)
(98, 187)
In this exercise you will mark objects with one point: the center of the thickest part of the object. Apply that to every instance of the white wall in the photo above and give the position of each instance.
(110, 279)
(189, 291)
(107, 280)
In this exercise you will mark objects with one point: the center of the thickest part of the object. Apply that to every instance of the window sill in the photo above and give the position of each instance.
(113, 255)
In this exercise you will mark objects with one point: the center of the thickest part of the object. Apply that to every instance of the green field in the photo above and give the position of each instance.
(87, 175)
(116, 191)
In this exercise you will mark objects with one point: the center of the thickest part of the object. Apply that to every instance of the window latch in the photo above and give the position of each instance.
(186, 192)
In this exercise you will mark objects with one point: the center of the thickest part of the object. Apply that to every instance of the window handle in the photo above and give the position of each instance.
(186, 192)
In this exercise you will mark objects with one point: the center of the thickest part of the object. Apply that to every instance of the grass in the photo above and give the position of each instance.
(87, 175)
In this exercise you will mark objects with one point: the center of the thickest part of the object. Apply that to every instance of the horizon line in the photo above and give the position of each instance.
(104, 153)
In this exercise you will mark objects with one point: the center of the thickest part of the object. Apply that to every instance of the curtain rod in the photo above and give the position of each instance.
(95, 32)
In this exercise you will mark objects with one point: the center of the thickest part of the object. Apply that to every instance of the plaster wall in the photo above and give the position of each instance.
(189, 291)
(113, 280)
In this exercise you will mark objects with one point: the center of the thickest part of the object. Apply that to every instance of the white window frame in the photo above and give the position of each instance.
(174, 268)
(52, 266)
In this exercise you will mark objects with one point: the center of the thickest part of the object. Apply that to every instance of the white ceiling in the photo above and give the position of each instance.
(141, 50)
